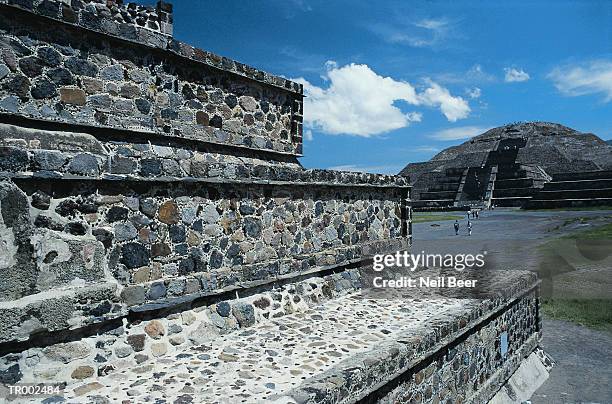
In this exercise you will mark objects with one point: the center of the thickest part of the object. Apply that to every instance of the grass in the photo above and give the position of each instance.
(603, 232)
(594, 313)
(420, 217)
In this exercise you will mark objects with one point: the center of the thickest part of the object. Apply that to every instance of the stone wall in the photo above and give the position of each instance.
(472, 368)
(138, 177)
(63, 73)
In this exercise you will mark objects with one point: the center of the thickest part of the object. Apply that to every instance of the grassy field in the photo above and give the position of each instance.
(421, 217)
(595, 314)
(603, 232)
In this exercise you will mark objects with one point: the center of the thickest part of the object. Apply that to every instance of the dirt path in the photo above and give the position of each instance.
(583, 373)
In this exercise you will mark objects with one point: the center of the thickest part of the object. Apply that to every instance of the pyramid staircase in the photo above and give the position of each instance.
(514, 183)
(442, 194)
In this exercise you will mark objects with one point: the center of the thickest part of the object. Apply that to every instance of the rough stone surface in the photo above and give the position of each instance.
(155, 329)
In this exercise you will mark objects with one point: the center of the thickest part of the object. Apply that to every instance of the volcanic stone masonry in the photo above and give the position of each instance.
(160, 242)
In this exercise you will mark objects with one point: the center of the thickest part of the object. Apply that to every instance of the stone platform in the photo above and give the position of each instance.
(358, 345)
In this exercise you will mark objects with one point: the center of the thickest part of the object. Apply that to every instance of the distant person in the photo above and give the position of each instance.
(476, 214)
(469, 227)
(456, 228)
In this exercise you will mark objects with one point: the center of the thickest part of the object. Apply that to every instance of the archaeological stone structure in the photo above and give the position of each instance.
(532, 165)
(160, 241)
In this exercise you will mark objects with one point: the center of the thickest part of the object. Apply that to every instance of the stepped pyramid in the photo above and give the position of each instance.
(510, 165)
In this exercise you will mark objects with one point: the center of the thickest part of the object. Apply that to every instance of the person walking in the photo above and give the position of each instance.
(456, 228)
(469, 227)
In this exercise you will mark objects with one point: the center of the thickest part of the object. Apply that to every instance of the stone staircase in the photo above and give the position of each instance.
(514, 183)
(322, 340)
(443, 191)
(574, 190)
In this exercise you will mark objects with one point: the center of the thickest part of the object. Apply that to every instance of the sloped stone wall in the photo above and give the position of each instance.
(136, 177)
(64, 73)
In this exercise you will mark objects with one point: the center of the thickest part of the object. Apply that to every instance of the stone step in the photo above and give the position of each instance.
(510, 201)
(508, 174)
(432, 203)
(359, 346)
(514, 183)
(586, 175)
(513, 192)
(578, 184)
(575, 194)
(435, 195)
(444, 187)
(567, 203)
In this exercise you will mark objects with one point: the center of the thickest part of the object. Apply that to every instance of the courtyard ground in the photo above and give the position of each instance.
(546, 241)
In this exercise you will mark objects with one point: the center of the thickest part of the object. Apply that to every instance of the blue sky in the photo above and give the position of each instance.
(392, 82)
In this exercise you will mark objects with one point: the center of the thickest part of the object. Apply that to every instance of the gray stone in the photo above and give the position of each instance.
(67, 352)
(244, 313)
(133, 295)
(41, 200)
(137, 341)
(174, 329)
(157, 290)
(49, 56)
(224, 309)
(49, 159)
(148, 206)
(205, 333)
(11, 375)
(143, 105)
(84, 164)
(135, 255)
(4, 71)
(176, 287)
(81, 67)
(10, 104)
(125, 231)
(210, 214)
(43, 89)
(252, 227)
(99, 101)
(177, 339)
(60, 76)
(216, 259)
(123, 351)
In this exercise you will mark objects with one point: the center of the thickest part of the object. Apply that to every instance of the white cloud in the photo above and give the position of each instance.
(473, 93)
(473, 76)
(427, 32)
(459, 132)
(453, 108)
(515, 75)
(591, 78)
(424, 149)
(360, 102)
(308, 135)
